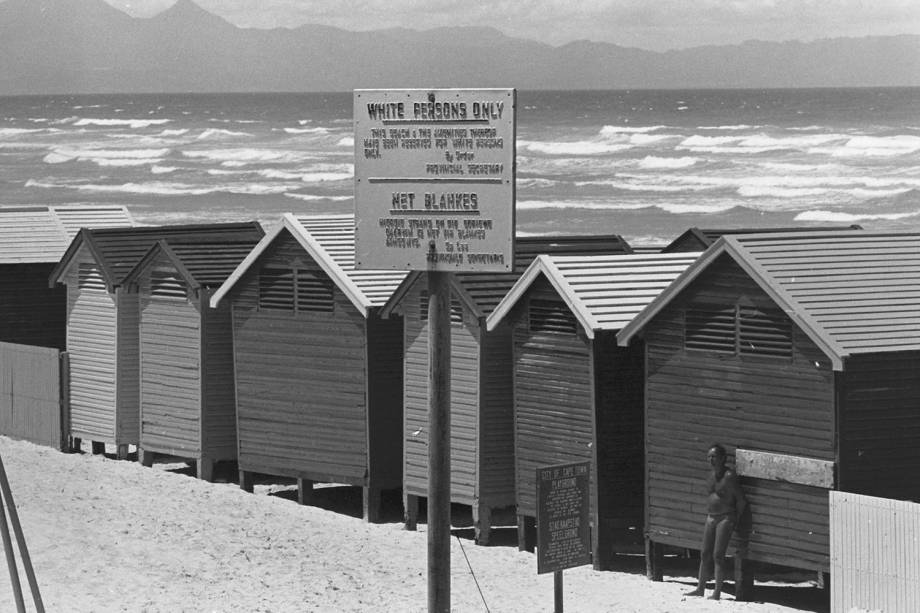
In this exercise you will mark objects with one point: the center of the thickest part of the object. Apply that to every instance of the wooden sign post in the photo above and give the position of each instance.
(434, 191)
(563, 521)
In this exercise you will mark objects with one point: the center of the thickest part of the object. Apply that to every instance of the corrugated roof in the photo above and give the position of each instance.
(118, 250)
(40, 234)
(604, 292)
(701, 238)
(482, 291)
(205, 262)
(851, 292)
(330, 241)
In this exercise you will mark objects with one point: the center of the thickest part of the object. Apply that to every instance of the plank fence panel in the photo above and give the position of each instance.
(31, 406)
(875, 554)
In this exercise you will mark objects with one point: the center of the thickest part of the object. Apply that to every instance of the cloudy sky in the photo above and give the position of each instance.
(649, 24)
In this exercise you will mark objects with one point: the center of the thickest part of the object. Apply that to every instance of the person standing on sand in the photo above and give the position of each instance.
(724, 506)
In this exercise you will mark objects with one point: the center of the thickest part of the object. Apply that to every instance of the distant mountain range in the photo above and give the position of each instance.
(86, 46)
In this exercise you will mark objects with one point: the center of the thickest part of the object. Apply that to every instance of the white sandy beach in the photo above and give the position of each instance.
(106, 535)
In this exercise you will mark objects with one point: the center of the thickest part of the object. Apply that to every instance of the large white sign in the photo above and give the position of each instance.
(434, 179)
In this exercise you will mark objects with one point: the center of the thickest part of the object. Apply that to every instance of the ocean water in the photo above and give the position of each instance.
(643, 164)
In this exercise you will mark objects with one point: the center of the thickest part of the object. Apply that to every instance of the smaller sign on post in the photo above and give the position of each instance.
(563, 521)
(563, 517)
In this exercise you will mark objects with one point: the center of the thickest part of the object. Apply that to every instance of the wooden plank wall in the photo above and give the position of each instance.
(31, 313)
(465, 403)
(91, 333)
(496, 429)
(880, 454)
(170, 345)
(218, 428)
(874, 561)
(30, 394)
(300, 383)
(695, 398)
(553, 405)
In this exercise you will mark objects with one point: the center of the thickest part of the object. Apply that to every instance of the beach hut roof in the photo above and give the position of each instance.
(118, 250)
(482, 291)
(850, 292)
(205, 262)
(605, 292)
(40, 234)
(330, 241)
(701, 238)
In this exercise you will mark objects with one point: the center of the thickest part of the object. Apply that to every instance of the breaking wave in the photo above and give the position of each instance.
(131, 123)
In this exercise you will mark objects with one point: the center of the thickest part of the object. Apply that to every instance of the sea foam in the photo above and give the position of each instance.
(131, 123)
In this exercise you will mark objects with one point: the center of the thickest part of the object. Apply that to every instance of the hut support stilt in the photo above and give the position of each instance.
(744, 578)
(527, 533)
(76, 444)
(482, 523)
(122, 452)
(205, 469)
(372, 501)
(410, 511)
(247, 481)
(145, 457)
(654, 557)
(304, 491)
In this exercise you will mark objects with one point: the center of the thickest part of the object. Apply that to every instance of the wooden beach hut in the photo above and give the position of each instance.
(32, 241)
(482, 450)
(102, 326)
(318, 377)
(700, 239)
(800, 352)
(577, 395)
(187, 406)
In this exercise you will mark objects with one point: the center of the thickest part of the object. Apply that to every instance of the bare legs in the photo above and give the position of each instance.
(717, 532)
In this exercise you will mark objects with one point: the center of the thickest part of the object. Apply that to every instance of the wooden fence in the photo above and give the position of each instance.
(875, 554)
(33, 394)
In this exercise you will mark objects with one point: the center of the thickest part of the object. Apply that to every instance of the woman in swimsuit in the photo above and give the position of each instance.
(724, 506)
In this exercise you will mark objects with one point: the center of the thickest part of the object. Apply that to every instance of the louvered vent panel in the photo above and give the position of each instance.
(764, 332)
(167, 284)
(551, 316)
(276, 289)
(314, 292)
(90, 277)
(710, 328)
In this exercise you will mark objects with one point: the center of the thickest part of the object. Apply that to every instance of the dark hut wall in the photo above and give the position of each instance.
(696, 397)
(218, 430)
(620, 450)
(553, 400)
(464, 401)
(385, 389)
(171, 371)
(128, 417)
(880, 432)
(300, 381)
(31, 313)
(496, 428)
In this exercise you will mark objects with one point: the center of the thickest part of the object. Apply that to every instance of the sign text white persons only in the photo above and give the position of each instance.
(434, 179)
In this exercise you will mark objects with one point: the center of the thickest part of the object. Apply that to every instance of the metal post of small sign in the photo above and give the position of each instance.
(438, 442)
(563, 521)
(434, 192)
(557, 592)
